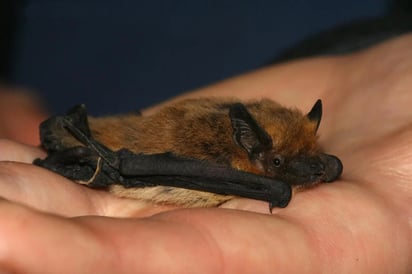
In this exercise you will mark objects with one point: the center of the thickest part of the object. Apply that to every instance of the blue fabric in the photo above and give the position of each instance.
(118, 55)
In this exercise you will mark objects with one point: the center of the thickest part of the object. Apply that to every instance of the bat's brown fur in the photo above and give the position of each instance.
(201, 128)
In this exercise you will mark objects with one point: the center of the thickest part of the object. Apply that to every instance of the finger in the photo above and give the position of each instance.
(98, 245)
(157, 245)
(43, 190)
(14, 151)
(47, 191)
(54, 236)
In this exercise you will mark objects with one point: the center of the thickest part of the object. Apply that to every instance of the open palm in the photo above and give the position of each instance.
(361, 223)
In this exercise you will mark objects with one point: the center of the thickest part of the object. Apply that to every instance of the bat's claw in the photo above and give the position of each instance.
(271, 206)
(283, 199)
(281, 204)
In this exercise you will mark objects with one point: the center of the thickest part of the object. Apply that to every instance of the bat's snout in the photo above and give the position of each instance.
(321, 168)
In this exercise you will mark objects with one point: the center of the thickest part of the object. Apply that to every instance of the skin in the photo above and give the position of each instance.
(359, 224)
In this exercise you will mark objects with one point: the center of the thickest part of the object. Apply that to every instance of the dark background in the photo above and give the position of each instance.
(119, 55)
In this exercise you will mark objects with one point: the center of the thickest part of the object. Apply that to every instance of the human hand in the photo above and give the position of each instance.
(359, 224)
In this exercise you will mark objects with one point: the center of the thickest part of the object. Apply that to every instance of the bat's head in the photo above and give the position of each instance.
(282, 143)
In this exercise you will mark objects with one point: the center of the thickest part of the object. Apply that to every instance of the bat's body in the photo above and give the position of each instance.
(259, 137)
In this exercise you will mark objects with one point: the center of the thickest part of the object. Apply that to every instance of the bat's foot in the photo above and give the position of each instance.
(81, 164)
(72, 151)
(74, 163)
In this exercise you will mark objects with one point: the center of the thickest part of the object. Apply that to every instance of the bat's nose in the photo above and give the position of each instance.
(333, 167)
(320, 168)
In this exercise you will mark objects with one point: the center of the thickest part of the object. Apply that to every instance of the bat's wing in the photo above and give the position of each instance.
(100, 166)
(171, 170)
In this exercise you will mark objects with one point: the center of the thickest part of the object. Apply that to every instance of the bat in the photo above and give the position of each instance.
(194, 153)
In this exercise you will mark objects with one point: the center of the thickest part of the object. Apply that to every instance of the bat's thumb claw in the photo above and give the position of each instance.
(271, 206)
(283, 199)
(281, 204)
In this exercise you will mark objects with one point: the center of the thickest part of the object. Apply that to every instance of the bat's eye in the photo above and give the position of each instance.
(277, 161)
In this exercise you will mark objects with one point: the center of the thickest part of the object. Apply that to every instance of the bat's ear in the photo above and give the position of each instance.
(315, 114)
(246, 131)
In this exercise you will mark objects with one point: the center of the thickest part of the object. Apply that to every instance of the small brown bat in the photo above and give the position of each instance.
(194, 153)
